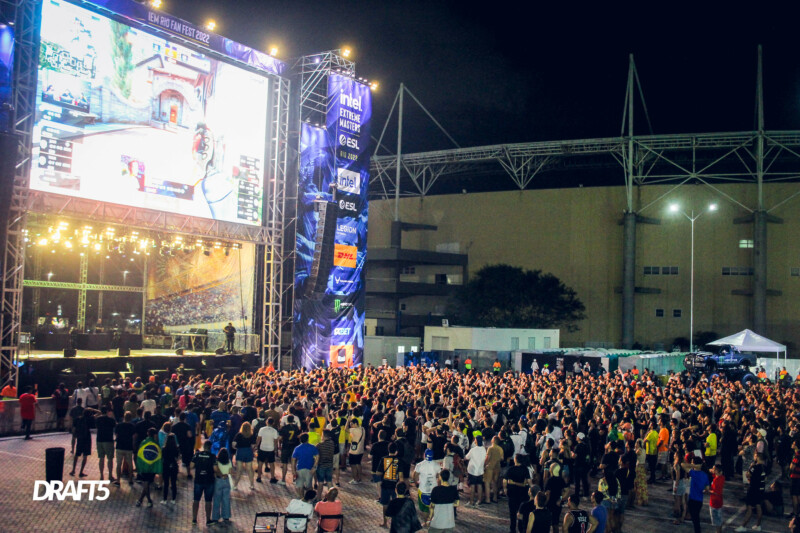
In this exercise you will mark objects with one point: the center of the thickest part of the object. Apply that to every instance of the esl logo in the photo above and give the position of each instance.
(348, 181)
(344, 140)
(347, 206)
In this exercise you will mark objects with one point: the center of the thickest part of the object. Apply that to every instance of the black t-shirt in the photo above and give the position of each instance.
(611, 460)
(141, 429)
(379, 450)
(84, 428)
(390, 470)
(118, 404)
(437, 444)
(243, 442)
(582, 458)
(404, 515)
(525, 510)
(290, 436)
(518, 474)
(758, 477)
(443, 495)
(555, 484)
(580, 521)
(124, 431)
(181, 430)
(626, 478)
(105, 428)
(204, 467)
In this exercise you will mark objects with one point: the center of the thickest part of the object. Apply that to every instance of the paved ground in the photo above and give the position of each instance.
(21, 463)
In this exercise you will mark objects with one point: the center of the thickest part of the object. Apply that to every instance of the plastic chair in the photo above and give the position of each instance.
(268, 524)
(287, 517)
(339, 528)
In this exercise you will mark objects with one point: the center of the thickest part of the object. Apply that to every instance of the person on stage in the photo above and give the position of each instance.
(230, 335)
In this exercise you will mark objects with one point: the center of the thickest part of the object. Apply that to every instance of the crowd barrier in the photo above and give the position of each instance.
(11, 420)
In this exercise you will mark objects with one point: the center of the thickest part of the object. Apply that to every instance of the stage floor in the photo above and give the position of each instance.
(102, 354)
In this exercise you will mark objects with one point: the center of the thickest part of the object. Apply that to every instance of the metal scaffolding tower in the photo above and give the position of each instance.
(26, 14)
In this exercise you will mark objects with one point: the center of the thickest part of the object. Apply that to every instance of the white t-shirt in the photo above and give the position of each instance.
(298, 507)
(399, 418)
(476, 458)
(149, 405)
(427, 470)
(268, 436)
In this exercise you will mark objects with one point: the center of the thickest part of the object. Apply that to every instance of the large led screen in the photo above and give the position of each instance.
(130, 118)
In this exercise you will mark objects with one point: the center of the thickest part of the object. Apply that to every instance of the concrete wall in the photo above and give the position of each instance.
(491, 339)
(575, 234)
(378, 348)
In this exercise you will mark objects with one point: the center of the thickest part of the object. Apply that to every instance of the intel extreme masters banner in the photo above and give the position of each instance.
(328, 329)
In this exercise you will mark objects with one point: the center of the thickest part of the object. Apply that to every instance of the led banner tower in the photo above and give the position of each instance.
(334, 172)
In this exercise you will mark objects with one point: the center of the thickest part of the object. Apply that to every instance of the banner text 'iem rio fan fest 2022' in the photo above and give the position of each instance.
(328, 328)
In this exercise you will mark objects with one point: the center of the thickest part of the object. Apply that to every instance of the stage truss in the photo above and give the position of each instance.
(26, 16)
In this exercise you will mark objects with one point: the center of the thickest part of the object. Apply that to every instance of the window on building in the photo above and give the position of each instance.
(651, 271)
(379, 331)
(677, 313)
(441, 279)
(408, 270)
(546, 343)
(745, 243)
(531, 343)
(514, 343)
(795, 272)
(737, 271)
(659, 313)
(402, 307)
(401, 349)
(673, 271)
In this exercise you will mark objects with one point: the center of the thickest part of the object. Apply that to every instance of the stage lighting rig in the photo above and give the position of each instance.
(210, 25)
(346, 52)
(273, 51)
(155, 4)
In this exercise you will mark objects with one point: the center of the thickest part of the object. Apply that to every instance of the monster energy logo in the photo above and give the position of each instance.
(338, 305)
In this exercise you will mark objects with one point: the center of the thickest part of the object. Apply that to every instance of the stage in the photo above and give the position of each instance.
(47, 368)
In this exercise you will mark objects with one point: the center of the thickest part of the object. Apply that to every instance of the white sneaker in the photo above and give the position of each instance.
(740, 529)
(756, 528)
(172, 503)
(163, 502)
(353, 482)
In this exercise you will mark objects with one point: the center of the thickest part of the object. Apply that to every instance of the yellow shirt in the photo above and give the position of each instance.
(651, 442)
(711, 445)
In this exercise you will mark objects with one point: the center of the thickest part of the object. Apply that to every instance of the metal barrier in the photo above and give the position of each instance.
(11, 420)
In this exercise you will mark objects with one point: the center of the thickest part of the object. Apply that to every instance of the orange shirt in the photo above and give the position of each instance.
(663, 439)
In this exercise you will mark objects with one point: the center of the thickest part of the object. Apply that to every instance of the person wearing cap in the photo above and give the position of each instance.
(425, 474)
(582, 461)
(476, 458)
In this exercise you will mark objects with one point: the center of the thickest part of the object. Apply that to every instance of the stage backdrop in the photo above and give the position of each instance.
(192, 290)
(329, 329)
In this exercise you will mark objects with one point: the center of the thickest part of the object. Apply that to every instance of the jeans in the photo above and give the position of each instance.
(229, 344)
(652, 464)
(26, 425)
(170, 475)
(694, 512)
(222, 499)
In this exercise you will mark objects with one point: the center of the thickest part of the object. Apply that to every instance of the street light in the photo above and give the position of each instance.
(125, 277)
(675, 208)
(49, 275)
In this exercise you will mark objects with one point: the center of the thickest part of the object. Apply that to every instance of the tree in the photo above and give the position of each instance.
(504, 296)
(122, 58)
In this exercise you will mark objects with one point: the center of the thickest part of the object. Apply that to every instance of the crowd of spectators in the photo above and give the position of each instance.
(215, 304)
(431, 439)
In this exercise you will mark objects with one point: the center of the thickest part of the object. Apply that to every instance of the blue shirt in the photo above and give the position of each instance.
(601, 515)
(305, 454)
(220, 418)
(192, 420)
(699, 481)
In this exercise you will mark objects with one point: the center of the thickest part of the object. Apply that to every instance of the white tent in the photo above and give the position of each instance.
(748, 341)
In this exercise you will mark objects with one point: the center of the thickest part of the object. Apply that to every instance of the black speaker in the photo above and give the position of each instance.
(179, 351)
(70, 352)
(324, 246)
(123, 351)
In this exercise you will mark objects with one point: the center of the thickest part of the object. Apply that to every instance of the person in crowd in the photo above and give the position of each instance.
(698, 485)
(356, 437)
(28, 405)
(243, 445)
(301, 506)
(425, 477)
(83, 439)
(599, 512)
(391, 473)
(444, 502)
(304, 463)
(476, 461)
(534, 516)
(105, 424)
(124, 432)
(170, 453)
(577, 520)
(794, 476)
(221, 502)
(325, 451)
(61, 401)
(716, 499)
(754, 499)
(204, 480)
(148, 464)
(402, 511)
(267, 445)
(329, 506)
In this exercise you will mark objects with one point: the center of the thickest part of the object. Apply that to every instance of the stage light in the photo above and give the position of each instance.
(273, 51)
(712, 207)
(155, 4)
(316, 60)
(68, 244)
(49, 275)
(97, 246)
(210, 25)
(674, 208)
(346, 52)
(373, 86)
(42, 242)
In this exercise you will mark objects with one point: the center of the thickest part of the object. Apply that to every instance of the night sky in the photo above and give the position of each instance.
(497, 73)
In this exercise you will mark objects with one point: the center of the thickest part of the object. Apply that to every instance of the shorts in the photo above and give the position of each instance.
(795, 488)
(622, 502)
(244, 455)
(186, 456)
(105, 449)
(753, 499)
(679, 487)
(716, 516)
(354, 458)
(286, 456)
(387, 495)
(83, 447)
(663, 457)
(473, 481)
(303, 479)
(203, 490)
(266, 456)
(424, 501)
(491, 475)
(147, 477)
(124, 454)
(325, 474)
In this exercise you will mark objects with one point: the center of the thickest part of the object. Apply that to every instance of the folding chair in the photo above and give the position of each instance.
(269, 524)
(287, 517)
(339, 528)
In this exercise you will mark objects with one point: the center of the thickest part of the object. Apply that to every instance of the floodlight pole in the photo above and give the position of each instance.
(399, 155)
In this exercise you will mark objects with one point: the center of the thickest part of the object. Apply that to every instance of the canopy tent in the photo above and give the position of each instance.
(748, 341)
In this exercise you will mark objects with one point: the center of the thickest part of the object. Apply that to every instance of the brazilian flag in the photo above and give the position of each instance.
(148, 458)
